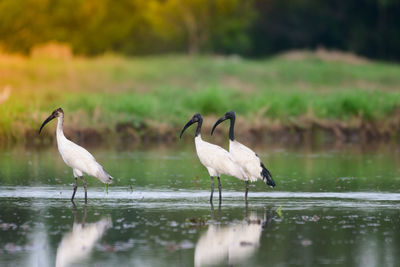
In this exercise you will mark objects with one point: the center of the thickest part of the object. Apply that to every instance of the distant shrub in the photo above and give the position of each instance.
(52, 50)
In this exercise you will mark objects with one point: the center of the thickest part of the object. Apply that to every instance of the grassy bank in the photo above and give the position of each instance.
(157, 95)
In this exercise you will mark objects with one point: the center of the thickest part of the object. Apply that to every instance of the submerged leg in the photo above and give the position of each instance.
(75, 187)
(247, 190)
(212, 189)
(85, 187)
(84, 215)
(74, 212)
(212, 212)
(219, 211)
(220, 189)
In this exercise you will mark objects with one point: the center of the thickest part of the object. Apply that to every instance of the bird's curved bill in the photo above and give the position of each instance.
(185, 127)
(46, 121)
(223, 118)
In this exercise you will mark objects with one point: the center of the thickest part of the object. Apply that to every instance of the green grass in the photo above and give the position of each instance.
(110, 89)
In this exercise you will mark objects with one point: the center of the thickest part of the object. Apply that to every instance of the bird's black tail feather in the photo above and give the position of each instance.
(266, 175)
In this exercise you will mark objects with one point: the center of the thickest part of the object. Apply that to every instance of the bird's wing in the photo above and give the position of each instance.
(220, 160)
(75, 156)
(79, 158)
(247, 159)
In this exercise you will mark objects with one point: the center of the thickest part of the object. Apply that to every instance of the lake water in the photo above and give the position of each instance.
(331, 207)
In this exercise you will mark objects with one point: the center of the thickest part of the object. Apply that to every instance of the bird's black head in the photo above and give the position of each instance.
(230, 115)
(196, 118)
(55, 114)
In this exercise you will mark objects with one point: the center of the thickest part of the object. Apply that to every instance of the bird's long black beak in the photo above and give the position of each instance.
(186, 126)
(52, 116)
(223, 118)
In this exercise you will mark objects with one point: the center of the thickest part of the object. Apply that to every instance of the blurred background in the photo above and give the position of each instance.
(131, 70)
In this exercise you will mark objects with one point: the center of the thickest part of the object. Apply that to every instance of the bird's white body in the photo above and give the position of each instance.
(217, 160)
(247, 159)
(78, 158)
(77, 244)
(233, 244)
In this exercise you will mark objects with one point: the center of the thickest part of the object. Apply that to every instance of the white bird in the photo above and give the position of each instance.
(232, 245)
(76, 157)
(216, 159)
(244, 156)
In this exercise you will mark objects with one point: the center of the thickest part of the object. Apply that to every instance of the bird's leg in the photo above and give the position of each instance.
(220, 189)
(247, 190)
(212, 212)
(75, 187)
(85, 187)
(212, 189)
(246, 210)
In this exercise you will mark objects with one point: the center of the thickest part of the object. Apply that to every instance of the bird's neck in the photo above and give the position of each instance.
(60, 124)
(231, 130)
(198, 130)
(198, 138)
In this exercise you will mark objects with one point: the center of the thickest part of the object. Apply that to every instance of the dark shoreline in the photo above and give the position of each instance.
(304, 131)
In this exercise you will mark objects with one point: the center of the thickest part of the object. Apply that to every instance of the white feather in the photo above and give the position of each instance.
(217, 160)
(247, 159)
(78, 158)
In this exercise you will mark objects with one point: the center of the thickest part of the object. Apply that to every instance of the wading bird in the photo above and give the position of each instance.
(76, 157)
(216, 159)
(244, 156)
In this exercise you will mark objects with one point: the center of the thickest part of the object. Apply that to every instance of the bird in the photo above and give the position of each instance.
(216, 159)
(244, 156)
(75, 156)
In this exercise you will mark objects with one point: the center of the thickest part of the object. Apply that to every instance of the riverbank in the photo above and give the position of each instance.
(304, 130)
(295, 97)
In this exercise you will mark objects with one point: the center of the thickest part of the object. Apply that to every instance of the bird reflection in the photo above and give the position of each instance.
(230, 244)
(77, 244)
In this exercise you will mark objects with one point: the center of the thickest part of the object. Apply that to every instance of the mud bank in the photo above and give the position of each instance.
(255, 131)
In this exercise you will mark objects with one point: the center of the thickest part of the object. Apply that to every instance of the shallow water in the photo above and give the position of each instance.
(336, 207)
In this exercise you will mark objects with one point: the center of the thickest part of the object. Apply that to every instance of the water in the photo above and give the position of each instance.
(331, 207)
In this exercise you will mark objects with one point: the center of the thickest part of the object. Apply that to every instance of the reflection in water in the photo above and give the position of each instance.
(39, 239)
(77, 244)
(157, 232)
(233, 244)
(341, 207)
